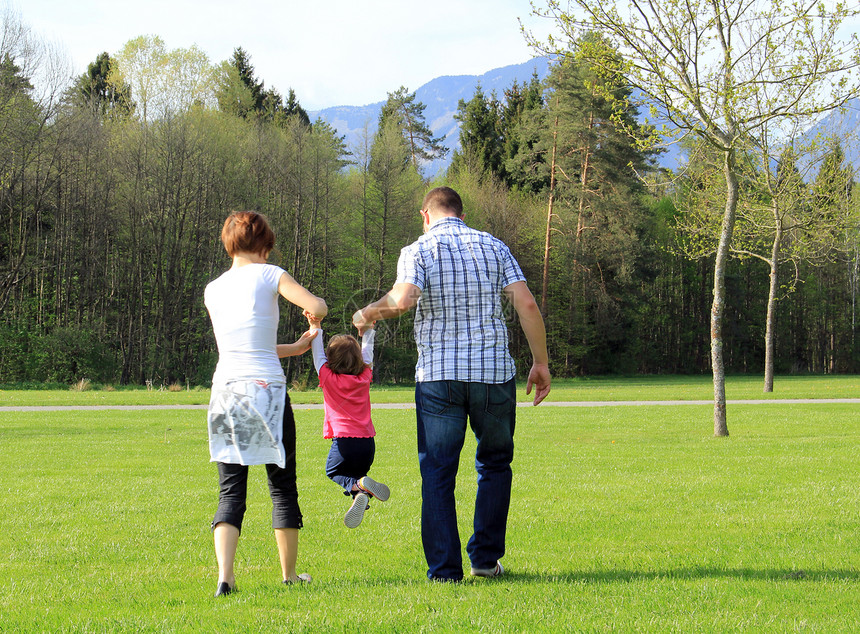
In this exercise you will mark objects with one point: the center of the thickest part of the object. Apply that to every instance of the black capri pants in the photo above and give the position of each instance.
(233, 483)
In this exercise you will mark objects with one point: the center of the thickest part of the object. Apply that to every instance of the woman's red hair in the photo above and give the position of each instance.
(247, 232)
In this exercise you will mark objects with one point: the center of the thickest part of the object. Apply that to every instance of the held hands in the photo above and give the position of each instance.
(539, 378)
(300, 346)
(313, 321)
(305, 340)
(303, 343)
(361, 323)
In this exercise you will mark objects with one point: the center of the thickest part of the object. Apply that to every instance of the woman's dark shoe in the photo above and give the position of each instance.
(223, 589)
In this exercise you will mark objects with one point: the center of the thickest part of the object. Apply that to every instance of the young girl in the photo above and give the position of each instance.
(345, 373)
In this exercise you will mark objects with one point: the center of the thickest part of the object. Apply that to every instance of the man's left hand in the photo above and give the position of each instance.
(539, 378)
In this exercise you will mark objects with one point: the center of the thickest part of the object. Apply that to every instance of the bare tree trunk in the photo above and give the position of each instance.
(770, 328)
(365, 186)
(854, 276)
(718, 306)
(580, 226)
(381, 270)
(549, 212)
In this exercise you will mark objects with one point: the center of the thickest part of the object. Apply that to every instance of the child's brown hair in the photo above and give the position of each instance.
(344, 355)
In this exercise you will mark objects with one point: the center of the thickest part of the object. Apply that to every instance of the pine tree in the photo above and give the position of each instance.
(520, 102)
(408, 115)
(99, 93)
(241, 61)
(292, 107)
(580, 150)
(241, 93)
(492, 132)
(480, 139)
(834, 182)
(12, 81)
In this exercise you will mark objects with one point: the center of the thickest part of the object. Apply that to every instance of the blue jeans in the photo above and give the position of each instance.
(443, 408)
(349, 460)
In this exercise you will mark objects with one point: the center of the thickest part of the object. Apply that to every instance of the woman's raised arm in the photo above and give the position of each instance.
(297, 294)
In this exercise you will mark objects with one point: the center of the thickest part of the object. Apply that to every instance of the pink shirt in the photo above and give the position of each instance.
(346, 397)
(346, 400)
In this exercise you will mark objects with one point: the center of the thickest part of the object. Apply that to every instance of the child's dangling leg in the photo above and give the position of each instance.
(349, 460)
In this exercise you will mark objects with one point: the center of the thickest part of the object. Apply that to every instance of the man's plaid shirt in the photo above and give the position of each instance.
(460, 328)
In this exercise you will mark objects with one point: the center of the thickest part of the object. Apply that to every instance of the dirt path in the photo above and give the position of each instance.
(783, 401)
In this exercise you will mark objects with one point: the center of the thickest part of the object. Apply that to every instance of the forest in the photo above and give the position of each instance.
(114, 187)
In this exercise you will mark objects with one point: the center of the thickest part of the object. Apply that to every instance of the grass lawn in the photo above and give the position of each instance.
(649, 388)
(623, 518)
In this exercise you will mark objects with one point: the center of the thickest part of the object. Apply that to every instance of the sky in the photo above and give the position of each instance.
(332, 52)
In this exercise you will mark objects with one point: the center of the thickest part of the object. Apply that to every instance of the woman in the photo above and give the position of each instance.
(250, 419)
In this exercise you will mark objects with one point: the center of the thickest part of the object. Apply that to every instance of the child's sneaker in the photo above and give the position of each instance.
(355, 513)
(374, 488)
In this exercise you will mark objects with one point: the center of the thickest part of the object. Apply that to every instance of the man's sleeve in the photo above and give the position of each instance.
(410, 268)
(511, 271)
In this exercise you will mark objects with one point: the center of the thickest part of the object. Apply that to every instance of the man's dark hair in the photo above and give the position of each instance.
(443, 199)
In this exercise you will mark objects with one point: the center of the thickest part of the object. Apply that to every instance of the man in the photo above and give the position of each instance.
(455, 276)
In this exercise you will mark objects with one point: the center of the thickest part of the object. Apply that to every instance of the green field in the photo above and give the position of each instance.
(585, 389)
(623, 518)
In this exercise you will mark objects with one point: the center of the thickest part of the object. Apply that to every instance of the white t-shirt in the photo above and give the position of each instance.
(243, 306)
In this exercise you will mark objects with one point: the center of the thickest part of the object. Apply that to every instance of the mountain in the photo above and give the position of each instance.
(845, 124)
(440, 96)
